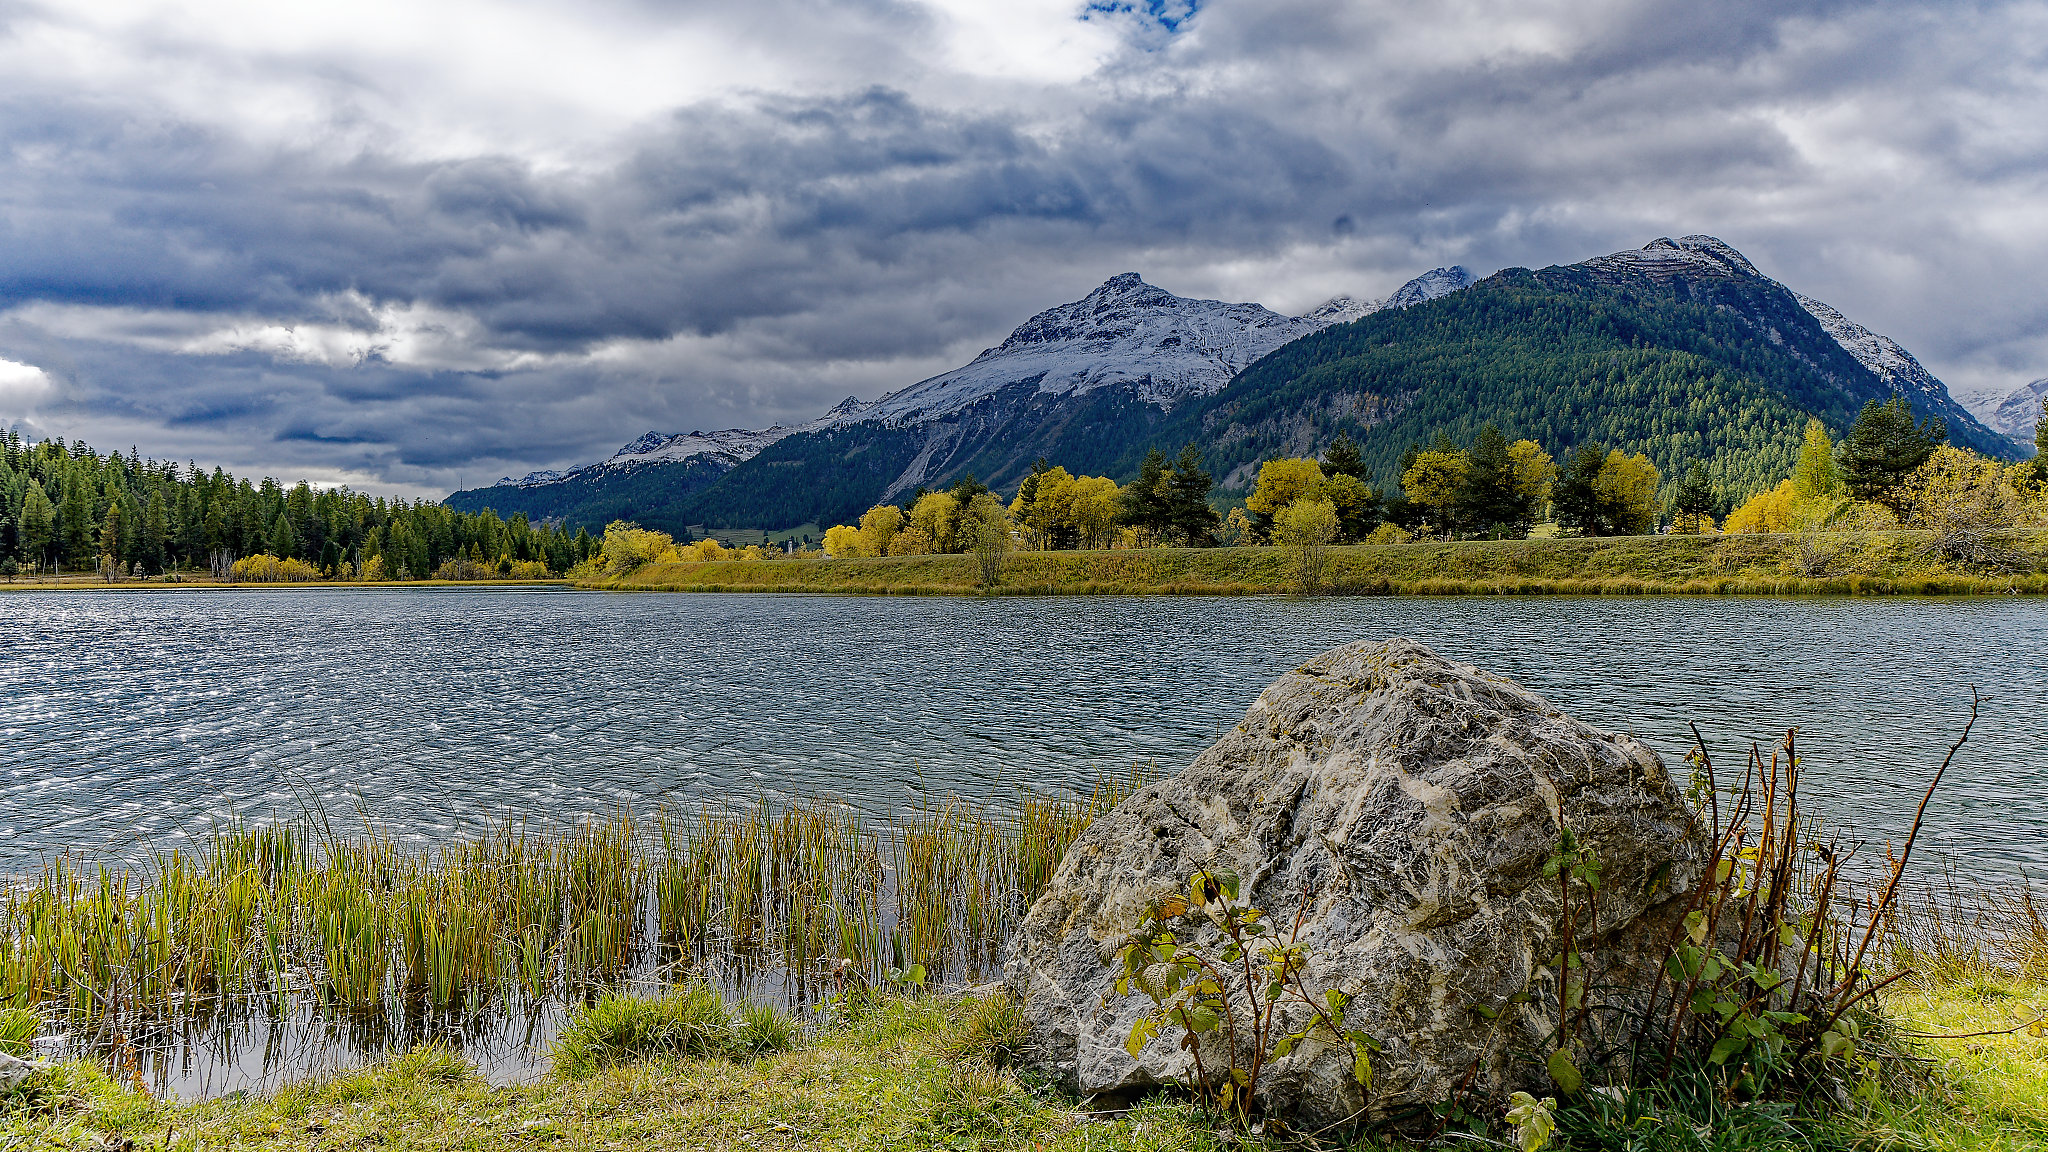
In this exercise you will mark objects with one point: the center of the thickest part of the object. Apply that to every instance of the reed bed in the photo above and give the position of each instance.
(797, 899)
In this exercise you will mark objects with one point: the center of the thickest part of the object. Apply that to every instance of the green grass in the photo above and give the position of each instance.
(692, 1020)
(924, 1074)
(1884, 563)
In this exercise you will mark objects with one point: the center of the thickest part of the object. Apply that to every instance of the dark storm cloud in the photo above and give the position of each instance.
(757, 255)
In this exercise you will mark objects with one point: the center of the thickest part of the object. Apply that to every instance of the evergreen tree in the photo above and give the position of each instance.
(1576, 498)
(965, 489)
(1491, 501)
(1341, 458)
(1189, 519)
(36, 525)
(1882, 449)
(77, 530)
(110, 534)
(155, 532)
(1695, 498)
(1143, 503)
(284, 542)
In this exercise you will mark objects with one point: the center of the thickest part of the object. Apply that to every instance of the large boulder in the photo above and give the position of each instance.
(1404, 807)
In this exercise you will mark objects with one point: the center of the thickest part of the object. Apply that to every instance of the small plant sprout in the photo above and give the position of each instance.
(1235, 988)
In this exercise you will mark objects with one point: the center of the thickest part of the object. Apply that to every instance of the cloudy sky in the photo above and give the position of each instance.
(414, 245)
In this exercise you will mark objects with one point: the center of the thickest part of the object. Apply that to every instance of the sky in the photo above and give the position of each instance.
(416, 245)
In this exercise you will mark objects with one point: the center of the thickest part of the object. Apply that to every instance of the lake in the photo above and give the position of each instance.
(133, 719)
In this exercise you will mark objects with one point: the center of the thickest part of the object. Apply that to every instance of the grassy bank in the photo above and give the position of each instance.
(1888, 563)
(919, 1074)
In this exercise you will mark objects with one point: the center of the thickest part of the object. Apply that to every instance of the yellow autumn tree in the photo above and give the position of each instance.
(934, 518)
(1094, 508)
(1282, 482)
(627, 546)
(1764, 512)
(1628, 485)
(842, 541)
(1434, 481)
(878, 526)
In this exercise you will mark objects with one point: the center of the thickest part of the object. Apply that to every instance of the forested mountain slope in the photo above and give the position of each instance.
(1674, 350)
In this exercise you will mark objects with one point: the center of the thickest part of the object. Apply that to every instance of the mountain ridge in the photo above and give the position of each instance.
(1090, 383)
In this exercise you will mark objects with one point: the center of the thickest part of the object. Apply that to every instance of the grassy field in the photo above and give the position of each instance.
(916, 1074)
(1891, 563)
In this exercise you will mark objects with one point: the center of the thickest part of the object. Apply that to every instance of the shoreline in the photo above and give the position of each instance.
(1858, 564)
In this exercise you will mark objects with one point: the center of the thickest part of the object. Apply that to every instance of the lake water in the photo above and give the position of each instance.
(132, 719)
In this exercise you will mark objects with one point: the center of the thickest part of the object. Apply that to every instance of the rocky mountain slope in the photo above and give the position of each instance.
(2013, 414)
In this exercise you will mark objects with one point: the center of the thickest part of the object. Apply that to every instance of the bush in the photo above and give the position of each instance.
(689, 1021)
(263, 568)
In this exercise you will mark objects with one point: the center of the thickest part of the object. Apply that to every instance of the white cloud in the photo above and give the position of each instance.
(22, 388)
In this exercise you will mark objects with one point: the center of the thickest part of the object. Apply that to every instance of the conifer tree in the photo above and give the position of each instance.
(75, 517)
(36, 524)
(1694, 500)
(1491, 501)
(283, 541)
(1576, 499)
(1189, 518)
(1143, 501)
(1884, 447)
(1342, 458)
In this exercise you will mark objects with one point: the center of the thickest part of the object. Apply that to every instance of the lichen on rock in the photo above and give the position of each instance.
(1403, 807)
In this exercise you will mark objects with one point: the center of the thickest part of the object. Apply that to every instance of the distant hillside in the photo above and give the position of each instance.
(1675, 350)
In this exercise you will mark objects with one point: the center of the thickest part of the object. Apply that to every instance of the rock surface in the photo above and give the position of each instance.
(1404, 806)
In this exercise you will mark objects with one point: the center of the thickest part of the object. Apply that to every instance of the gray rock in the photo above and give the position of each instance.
(1404, 807)
(14, 1071)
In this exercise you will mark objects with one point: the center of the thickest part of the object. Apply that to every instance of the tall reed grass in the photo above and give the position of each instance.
(802, 896)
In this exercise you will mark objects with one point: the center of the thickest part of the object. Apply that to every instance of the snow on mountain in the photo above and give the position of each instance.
(1881, 354)
(1664, 257)
(1125, 332)
(546, 476)
(2012, 414)
(1428, 286)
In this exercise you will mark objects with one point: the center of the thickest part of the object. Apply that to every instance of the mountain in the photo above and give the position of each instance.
(2013, 414)
(1681, 349)
(1428, 286)
(1082, 381)
(644, 480)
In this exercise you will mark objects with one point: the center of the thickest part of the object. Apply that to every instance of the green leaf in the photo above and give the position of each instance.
(1726, 1048)
(1142, 1032)
(1563, 1071)
(1336, 1000)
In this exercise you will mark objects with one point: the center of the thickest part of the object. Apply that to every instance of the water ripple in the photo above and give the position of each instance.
(131, 721)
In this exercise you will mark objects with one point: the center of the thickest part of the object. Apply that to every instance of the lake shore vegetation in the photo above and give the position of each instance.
(122, 519)
(1893, 509)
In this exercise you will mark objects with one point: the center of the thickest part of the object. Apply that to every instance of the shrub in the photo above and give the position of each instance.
(263, 568)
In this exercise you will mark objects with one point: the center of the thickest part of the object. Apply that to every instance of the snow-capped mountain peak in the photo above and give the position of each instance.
(1124, 332)
(1428, 286)
(1664, 258)
(2012, 413)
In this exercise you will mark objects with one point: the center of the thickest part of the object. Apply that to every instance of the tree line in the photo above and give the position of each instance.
(65, 507)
